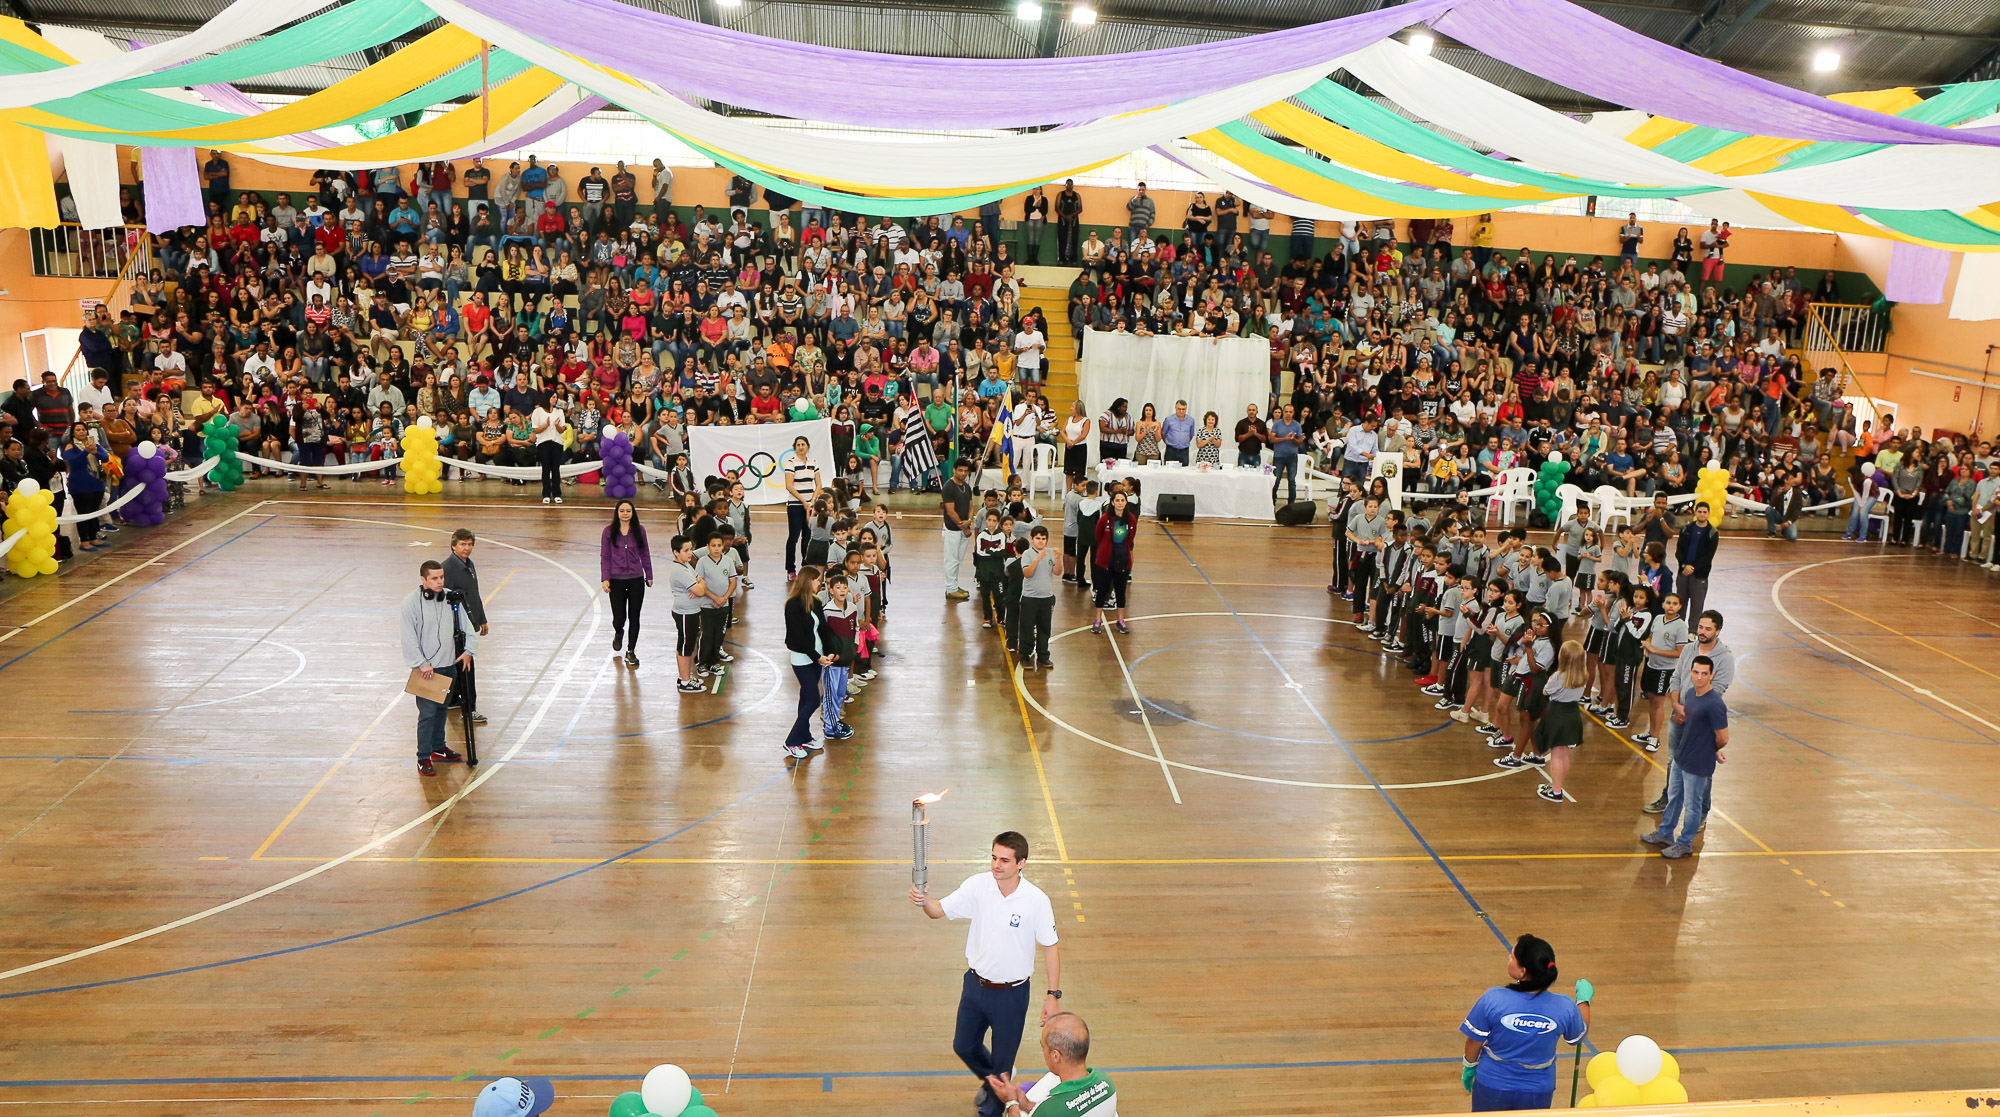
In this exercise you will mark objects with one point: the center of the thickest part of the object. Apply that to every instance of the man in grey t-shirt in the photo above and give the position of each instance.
(1038, 599)
(956, 504)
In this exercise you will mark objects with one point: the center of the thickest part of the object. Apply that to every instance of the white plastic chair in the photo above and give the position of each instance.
(1611, 504)
(1043, 472)
(1879, 513)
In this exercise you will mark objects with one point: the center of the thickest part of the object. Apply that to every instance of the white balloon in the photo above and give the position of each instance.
(147, 450)
(1639, 1060)
(1555, 455)
(1715, 463)
(424, 421)
(28, 487)
(667, 1089)
(1868, 469)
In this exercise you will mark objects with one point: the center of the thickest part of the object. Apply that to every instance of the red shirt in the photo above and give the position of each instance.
(475, 317)
(330, 235)
(767, 407)
(550, 223)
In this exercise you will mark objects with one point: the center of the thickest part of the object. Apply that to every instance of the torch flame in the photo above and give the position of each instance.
(929, 797)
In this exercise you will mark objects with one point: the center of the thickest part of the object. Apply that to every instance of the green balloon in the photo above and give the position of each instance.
(628, 1104)
(697, 1111)
(694, 1100)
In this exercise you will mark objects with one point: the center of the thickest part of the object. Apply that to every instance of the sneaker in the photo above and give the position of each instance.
(1123, 629)
(1363, 626)
(1645, 739)
(841, 734)
(478, 718)
(1490, 729)
(1509, 762)
(558, 500)
(867, 676)
(448, 756)
(1436, 690)
(704, 672)
(846, 729)
(851, 697)
(689, 686)
(957, 595)
(986, 624)
(748, 584)
(1536, 758)
(1441, 704)
(1496, 741)
(725, 657)
(632, 659)
(1429, 681)
(617, 642)
(1460, 715)
(796, 753)
(1676, 852)
(1615, 722)
(1476, 713)
(1504, 741)
(1657, 806)
(545, 500)
(1549, 793)
(424, 767)
(1656, 839)
(1097, 627)
(1045, 664)
(814, 746)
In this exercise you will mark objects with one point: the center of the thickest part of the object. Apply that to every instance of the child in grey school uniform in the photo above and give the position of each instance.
(739, 518)
(1038, 599)
(1569, 539)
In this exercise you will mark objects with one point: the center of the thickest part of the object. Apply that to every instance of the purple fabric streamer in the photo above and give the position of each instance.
(235, 100)
(867, 88)
(172, 188)
(583, 108)
(1916, 273)
(1584, 51)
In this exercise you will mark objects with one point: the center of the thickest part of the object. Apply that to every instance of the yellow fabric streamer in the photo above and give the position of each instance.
(17, 32)
(1351, 149)
(1834, 219)
(27, 189)
(1758, 154)
(1313, 188)
(429, 58)
(456, 129)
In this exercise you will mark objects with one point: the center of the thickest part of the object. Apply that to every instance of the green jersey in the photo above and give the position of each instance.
(1092, 1094)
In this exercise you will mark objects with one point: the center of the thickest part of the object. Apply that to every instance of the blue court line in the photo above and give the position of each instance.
(1463, 891)
(1876, 679)
(1265, 736)
(612, 860)
(1810, 712)
(1775, 731)
(828, 1077)
(128, 597)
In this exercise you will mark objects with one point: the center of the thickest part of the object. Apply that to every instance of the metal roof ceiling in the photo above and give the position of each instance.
(1882, 42)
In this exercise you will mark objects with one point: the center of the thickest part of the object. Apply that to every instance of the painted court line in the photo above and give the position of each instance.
(1144, 718)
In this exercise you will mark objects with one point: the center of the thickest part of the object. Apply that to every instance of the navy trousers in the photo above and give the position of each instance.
(1004, 1012)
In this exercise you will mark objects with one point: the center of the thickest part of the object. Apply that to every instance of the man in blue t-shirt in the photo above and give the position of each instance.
(1704, 733)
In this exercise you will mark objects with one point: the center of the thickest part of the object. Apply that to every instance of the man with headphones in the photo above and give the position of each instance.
(431, 621)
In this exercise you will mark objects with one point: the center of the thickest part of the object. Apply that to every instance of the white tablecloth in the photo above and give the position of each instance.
(1227, 493)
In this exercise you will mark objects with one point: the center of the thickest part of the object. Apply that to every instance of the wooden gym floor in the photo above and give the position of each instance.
(1280, 876)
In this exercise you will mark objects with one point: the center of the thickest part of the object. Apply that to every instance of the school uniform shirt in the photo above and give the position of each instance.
(1522, 1033)
(1005, 929)
(1559, 597)
(989, 552)
(715, 575)
(681, 579)
(1042, 582)
(1666, 633)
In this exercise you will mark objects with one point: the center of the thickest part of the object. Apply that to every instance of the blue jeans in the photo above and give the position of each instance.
(1486, 1099)
(1250, 461)
(431, 719)
(1174, 454)
(1005, 1013)
(1687, 806)
(1287, 467)
(1773, 523)
(1857, 519)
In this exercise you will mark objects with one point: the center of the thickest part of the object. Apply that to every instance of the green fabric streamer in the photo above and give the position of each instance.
(1940, 225)
(1956, 104)
(348, 29)
(1396, 194)
(856, 203)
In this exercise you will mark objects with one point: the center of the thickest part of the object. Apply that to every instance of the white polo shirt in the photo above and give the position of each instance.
(1005, 929)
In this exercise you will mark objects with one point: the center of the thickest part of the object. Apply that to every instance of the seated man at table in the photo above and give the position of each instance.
(1251, 435)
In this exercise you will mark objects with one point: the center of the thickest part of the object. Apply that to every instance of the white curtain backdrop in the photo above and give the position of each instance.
(766, 449)
(1223, 375)
(1977, 297)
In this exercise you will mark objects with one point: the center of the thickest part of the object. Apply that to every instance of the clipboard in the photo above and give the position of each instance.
(436, 688)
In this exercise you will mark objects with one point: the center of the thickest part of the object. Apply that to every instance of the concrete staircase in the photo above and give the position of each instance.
(1048, 288)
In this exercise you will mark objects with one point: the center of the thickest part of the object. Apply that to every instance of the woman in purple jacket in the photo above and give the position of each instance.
(626, 565)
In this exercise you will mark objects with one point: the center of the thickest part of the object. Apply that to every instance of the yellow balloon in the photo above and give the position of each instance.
(48, 566)
(1601, 1066)
(1616, 1090)
(1662, 1091)
(1589, 1102)
(1669, 1068)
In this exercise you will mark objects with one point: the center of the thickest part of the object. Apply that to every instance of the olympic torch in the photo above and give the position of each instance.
(920, 860)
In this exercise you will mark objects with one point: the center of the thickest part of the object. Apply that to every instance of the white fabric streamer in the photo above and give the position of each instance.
(1976, 298)
(319, 470)
(194, 473)
(7, 544)
(1259, 194)
(940, 164)
(558, 103)
(1905, 176)
(131, 495)
(245, 19)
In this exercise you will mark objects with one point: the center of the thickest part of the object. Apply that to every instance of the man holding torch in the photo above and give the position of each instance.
(1009, 917)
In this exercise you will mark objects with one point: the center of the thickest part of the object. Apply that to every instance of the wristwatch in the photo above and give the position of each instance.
(1056, 993)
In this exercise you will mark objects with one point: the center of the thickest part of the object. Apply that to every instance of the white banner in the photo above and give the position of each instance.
(760, 455)
(1223, 375)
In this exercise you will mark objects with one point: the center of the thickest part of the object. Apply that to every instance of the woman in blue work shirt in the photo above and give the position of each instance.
(1514, 1032)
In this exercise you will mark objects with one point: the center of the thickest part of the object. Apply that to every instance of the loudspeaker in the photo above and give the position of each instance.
(1298, 513)
(1176, 506)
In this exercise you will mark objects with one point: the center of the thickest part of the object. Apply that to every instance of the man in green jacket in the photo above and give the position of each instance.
(1073, 1089)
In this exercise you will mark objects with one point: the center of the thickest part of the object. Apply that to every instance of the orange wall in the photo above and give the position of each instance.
(33, 303)
(1925, 336)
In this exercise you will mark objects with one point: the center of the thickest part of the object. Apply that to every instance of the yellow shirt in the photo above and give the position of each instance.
(1482, 236)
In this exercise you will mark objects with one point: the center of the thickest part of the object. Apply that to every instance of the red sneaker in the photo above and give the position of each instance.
(1427, 680)
(424, 767)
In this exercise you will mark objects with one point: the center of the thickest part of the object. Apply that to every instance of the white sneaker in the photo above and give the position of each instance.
(796, 752)
(814, 745)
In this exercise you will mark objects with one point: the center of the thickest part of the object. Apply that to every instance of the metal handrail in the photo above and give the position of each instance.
(137, 263)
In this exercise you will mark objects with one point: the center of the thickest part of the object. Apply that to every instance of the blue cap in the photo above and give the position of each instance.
(514, 1097)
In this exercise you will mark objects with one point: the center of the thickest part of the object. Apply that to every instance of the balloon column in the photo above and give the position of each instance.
(1711, 487)
(146, 469)
(1547, 500)
(665, 1093)
(621, 477)
(31, 508)
(422, 472)
(220, 440)
(1639, 1073)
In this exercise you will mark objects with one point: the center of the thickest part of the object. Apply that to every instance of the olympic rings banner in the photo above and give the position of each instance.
(760, 455)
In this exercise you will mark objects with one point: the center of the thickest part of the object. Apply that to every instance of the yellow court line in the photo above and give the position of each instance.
(495, 591)
(1041, 774)
(1648, 758)
(1907, 636)
(1146, 862)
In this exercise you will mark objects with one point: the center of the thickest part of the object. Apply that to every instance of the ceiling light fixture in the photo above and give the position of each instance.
(1826, 61)
(1422, 42)
(1083, 15)
(1028, 10)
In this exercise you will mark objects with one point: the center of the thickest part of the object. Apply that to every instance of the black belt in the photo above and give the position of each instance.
(996, 984)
